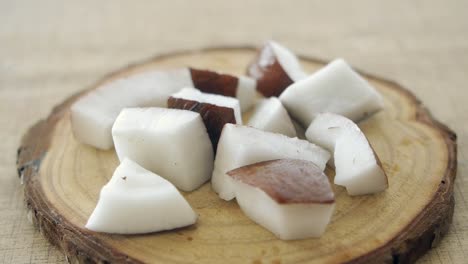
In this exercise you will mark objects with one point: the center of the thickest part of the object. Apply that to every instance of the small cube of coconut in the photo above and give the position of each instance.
(170, 142)
(335, 88)
(243, 145)
(291, 198)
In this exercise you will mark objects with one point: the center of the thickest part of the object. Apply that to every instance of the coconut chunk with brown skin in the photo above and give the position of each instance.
(357, 166)
(215, 110)
(242, 145)
(240, 87)
(291, 198)
(275, 68)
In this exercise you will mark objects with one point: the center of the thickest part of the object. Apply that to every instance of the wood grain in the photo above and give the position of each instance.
(63, 178)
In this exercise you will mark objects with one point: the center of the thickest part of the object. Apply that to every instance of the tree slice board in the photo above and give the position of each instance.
(62, 179)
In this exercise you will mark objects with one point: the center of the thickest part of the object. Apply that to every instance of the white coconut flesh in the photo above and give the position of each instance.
(270, 115)
(288, 61)
(242, 145)
(291, 221)
(170, 142)
(214, 99)
(137, 201)
(291, 198)
(335, 88)
(93, 114)
(356, 164)
(246, 92)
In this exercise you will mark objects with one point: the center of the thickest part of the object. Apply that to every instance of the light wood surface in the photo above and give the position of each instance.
(63, 178)
(52, 49)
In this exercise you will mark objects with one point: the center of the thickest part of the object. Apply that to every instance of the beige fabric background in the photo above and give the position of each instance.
(52, 49)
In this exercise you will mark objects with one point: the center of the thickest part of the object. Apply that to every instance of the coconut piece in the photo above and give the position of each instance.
(335, 88)
(242, 145)
(275, 68)
(215, 110)
(240, 87)
(93, 114)
(357, 166)
(191, 94)
(137, 201)
(170, 142)
(293, 198)
(270, 115)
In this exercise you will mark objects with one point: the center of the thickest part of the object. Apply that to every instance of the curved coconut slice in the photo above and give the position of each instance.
(336, 88)
(170, 142)
(240, 87)
(357, 166)
(137, 201)
(293, 198)
(93, 114)
(241, 145)
(216, 110)
(275, 68)
(270, 115)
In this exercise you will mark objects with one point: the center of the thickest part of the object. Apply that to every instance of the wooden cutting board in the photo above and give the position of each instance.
(62, 179)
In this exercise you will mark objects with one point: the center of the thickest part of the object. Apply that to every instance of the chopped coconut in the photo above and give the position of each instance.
(242, 145)
(357, 166)
(215, 110)
(93, 114)
(170, 142)
(293, 198)
(137, 201)
(336, 88)
(275, 68)
(240, 87)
